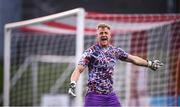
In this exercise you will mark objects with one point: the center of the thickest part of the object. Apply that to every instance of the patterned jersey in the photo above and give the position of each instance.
(101, 63)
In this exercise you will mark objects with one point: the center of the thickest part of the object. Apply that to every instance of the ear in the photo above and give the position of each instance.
(96, 34)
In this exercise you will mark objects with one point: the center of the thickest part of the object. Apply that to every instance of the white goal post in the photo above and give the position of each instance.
(80, 12)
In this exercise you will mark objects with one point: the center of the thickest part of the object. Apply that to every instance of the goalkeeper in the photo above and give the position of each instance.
(100, 60)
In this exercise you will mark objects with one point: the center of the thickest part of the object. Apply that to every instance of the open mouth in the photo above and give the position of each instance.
(103, 38)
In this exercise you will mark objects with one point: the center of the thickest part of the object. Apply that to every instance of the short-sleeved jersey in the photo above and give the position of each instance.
(101, 63)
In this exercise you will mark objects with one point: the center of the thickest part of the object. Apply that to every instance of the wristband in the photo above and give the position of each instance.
(73, 83)
(149, 63)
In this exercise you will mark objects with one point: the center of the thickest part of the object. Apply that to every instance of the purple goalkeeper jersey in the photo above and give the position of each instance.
(101, 63)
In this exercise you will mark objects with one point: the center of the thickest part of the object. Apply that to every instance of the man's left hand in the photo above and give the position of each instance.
(155, 64)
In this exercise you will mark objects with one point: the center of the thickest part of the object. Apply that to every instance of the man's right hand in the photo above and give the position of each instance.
(72, 88)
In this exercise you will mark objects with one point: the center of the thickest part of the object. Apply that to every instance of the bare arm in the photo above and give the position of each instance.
(154, 65)
(75, 75)
(137, 60)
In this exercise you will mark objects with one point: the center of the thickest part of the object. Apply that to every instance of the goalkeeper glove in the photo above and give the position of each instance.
(72, 88)
(155, 64)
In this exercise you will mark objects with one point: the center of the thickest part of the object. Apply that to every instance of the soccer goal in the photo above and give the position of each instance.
(39, 59)
(40, 55)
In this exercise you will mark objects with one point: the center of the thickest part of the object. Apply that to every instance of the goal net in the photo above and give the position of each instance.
(41, 55)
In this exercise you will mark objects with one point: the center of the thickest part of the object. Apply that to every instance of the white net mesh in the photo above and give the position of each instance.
(42, 58)
(38, 63)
